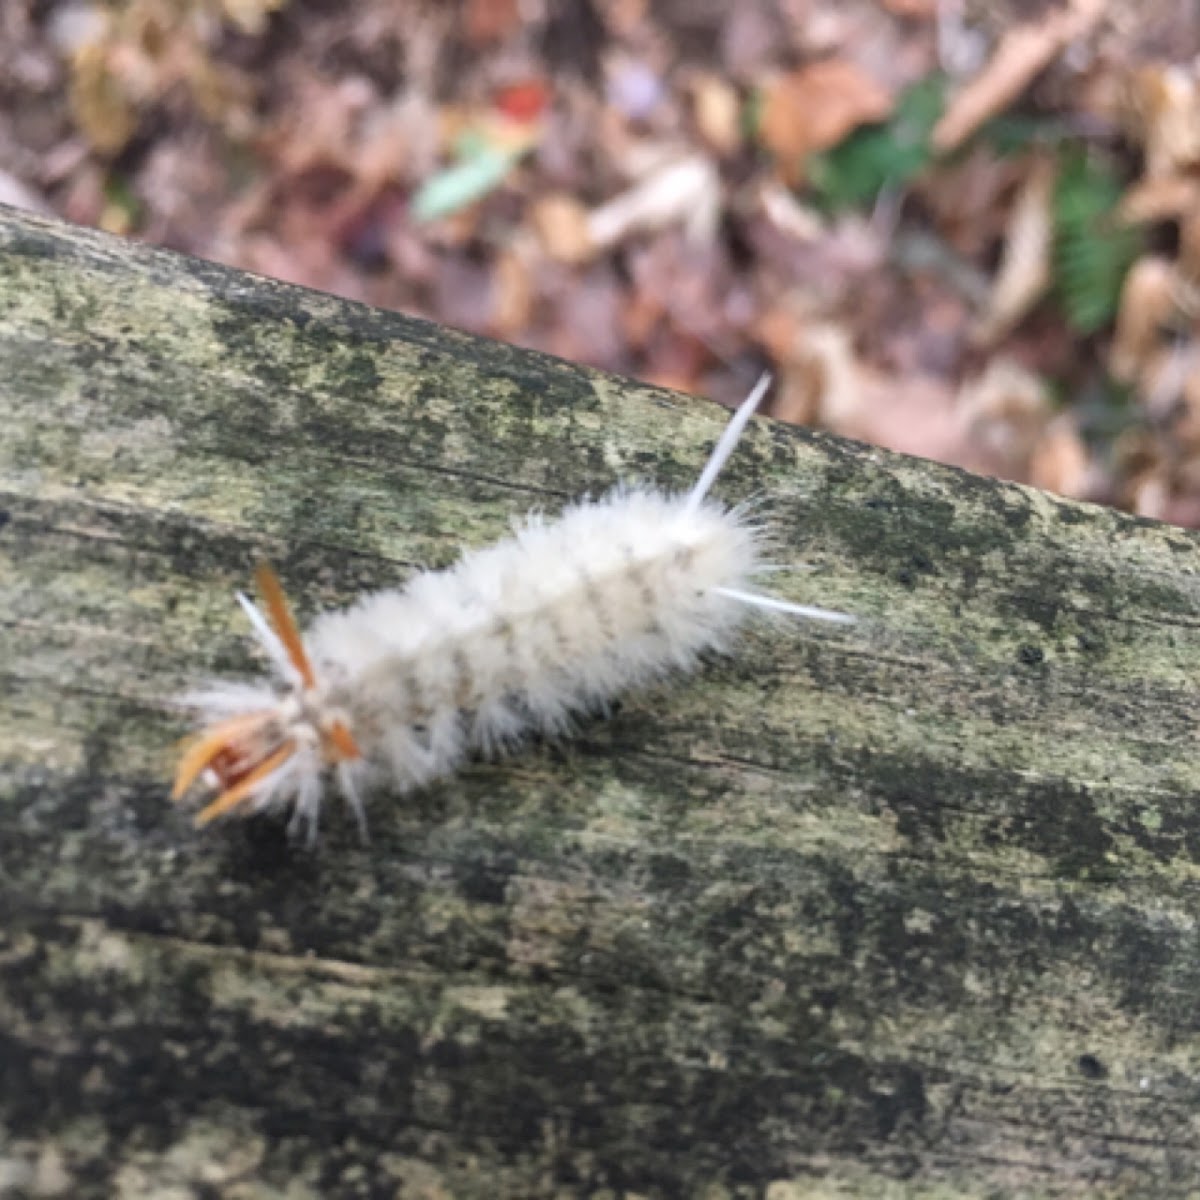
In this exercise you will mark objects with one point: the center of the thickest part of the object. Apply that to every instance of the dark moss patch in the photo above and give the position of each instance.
(1056, 820)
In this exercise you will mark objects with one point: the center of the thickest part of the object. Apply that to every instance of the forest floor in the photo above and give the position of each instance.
(965, 230)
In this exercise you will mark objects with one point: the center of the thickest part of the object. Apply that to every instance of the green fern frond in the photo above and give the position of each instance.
(875, 157)
(1092, 249)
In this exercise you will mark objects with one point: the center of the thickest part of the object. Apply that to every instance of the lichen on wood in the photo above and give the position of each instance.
(904, 909)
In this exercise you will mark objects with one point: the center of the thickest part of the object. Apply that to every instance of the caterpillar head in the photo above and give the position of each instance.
(270, 746)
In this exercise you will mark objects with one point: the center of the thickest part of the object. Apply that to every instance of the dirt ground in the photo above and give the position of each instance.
(965, 230)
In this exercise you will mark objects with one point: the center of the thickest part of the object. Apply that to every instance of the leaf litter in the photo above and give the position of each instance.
(966, 231)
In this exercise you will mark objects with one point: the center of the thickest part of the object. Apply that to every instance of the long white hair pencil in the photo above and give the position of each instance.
(514, 639)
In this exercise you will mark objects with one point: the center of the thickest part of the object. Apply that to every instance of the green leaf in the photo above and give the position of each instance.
(462, 184)
(1092, 249)
(875, 157)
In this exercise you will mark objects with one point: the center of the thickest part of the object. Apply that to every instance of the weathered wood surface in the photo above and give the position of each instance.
(907, 909)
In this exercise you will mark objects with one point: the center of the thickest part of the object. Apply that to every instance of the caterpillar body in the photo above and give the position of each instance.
(514, 639)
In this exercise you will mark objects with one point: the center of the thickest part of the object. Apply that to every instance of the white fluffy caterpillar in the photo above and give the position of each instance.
(513, 639)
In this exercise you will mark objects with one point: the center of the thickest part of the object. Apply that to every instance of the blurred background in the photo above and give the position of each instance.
(965, 229)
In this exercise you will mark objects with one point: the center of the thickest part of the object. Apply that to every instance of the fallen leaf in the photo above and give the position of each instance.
(1151, 497)
(512, 294)
(779, 331)
(1148, 300)
(561, 223)
(1164, 107)
(1142, 472)
(718, 111)
(814, 108)
(826, 354)
(1022, 54)
(1159, 198)
(685, 193)
(641, 315)
(1002, 414)
(788, 215)
(1025, 266)
(1059, 462)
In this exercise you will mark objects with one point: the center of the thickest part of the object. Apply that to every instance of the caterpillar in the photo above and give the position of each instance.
(514, 639)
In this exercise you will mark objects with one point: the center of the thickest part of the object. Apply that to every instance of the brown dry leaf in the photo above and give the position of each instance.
(1160, 198)
(778, 331)
(512, 294)
(815, 108)
(1148, 300)
(1145, 470)
(818, 371)
(1164, 111)
(829, 354)
(797, 398)
(1152, 496)
(1025, 268)
(641, 315)
(1023, 53)
(1059, 462)
(1002, 414)
(561, 223)
(718, 110)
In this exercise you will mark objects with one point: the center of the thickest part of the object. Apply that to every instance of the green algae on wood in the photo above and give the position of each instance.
(907, 909)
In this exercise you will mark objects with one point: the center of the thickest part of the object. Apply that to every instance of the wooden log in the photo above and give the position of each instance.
(904, 909)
